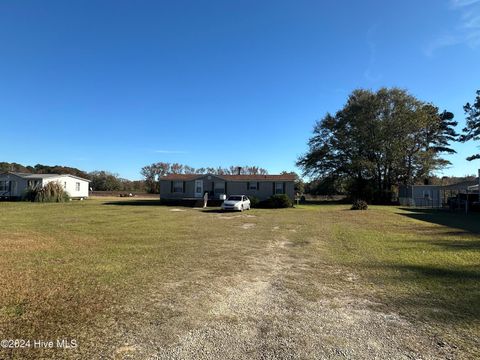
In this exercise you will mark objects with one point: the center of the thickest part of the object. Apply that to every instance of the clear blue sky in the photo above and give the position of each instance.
(116, 85)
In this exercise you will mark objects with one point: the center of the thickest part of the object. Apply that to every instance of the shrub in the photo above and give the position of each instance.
(359, 205)
(254, 201)
(276, 202)
(51, 192)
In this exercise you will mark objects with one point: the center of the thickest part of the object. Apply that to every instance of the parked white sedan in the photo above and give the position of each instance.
(236, 202)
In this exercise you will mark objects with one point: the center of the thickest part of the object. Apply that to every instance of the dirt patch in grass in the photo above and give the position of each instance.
(230, 217)
(25, 242)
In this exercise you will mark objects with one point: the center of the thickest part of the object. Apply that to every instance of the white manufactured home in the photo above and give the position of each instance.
(14, 185)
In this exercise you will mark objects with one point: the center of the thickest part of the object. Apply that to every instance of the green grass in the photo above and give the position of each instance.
(411, 251)
(90, 270)
(424, 264)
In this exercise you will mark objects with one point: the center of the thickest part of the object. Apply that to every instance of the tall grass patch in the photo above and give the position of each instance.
(50, 192)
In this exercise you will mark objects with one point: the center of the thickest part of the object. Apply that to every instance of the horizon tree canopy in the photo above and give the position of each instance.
(378, 140)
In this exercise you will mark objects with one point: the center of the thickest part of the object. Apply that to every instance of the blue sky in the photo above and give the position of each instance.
(116, 85)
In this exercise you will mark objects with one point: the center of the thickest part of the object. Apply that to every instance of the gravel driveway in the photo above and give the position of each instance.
(258, 314)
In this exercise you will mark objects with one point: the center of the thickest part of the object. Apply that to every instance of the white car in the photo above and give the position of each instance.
(236, 202)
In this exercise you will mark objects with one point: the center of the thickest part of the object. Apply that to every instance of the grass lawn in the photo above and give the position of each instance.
(132, 279)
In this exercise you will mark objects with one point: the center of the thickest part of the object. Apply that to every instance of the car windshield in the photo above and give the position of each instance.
(234, 198)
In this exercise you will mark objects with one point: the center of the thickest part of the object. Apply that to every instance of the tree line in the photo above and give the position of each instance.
(382, 139)
(41, 169)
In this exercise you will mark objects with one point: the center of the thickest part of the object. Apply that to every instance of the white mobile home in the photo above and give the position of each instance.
(14, 185)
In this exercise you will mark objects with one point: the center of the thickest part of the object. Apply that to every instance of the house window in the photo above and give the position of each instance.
(219, 187)
(77, 186)
(178, 186)
(199, 186)
(3, 185)
(253, 185)
(279, 188)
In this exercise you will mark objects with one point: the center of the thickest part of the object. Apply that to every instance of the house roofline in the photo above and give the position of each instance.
(27, 176)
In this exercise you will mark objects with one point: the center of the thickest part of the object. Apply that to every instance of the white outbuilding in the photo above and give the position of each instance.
(13, 185)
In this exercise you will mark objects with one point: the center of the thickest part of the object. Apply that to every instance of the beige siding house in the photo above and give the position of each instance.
(194, 186)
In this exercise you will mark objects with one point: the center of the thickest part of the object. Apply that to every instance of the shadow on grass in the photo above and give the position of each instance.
(325, 202)
(470, 222)
(156, 203)
(448, 295)
(433, 272)
(213, 211)
(135, 203)
(455, 244)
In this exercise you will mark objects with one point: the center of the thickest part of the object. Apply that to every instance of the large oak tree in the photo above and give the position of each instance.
(378, 140)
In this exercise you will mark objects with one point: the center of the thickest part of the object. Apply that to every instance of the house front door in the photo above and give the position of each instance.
(198, 188)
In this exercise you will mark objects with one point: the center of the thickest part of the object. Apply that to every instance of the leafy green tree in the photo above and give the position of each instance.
(105, 181)
(58, 169)
(377, 140)
(325, 186)
(41, 169)
(151, 173)
(14, 167)
(472, 128)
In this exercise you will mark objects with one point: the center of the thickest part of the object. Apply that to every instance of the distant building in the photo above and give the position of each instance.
(14, 185)
(470, 186)
(437, 195)
(420, 195)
